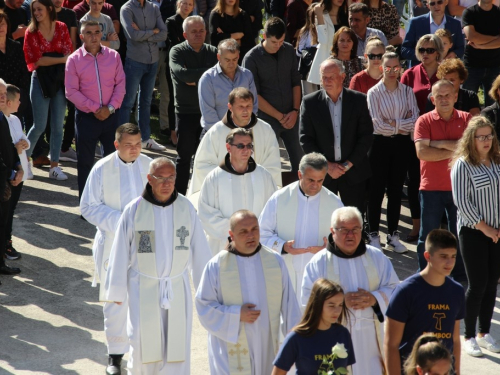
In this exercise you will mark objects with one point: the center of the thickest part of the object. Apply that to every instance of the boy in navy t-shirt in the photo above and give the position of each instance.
(427, 302)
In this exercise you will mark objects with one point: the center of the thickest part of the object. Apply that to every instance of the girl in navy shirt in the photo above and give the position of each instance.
(312, 340)
(428, 357)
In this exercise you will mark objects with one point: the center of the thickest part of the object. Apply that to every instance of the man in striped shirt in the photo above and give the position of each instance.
(436, 136)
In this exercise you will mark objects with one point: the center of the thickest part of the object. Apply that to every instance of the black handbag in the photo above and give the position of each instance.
(306, 60)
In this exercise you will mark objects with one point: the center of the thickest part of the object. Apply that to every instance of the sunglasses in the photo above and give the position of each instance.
(241, 146)
(439, 2)
(429, 51)
(373, 56)
(395, 69)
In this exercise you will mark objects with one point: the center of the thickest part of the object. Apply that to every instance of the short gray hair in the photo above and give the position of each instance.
(2, 82)
(441, 82)
(344, 214)
(313, 160)
(229, 45)
(332, 61)
(192, 19)
(160, 162)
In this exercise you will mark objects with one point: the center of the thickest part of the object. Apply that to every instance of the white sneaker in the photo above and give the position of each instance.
(394, 244)
(151, 144)
(472, 349)
(375, 240)
(56, 174)
(69, 155)
(489, 343)
(29, 172)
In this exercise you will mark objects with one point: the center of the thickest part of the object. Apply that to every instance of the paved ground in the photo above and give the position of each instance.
(50, 322)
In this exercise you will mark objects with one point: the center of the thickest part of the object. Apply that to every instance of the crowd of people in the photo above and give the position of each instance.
(362, 108)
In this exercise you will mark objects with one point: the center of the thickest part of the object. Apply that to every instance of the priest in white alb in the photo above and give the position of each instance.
(212, 148)
(244, 293)
(296, 220)
(368, 280)
(158, 241)
(113, 182)
(237, 183)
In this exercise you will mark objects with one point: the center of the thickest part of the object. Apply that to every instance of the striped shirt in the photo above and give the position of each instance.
(399, 105)
(476, 193)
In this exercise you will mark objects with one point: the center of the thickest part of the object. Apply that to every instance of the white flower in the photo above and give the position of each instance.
(339, 351)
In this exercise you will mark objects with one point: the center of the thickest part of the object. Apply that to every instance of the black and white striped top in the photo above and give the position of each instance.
(476, 193)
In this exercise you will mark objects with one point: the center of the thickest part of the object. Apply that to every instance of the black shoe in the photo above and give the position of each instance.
(6, 270)
(114, 364)
(11, 253)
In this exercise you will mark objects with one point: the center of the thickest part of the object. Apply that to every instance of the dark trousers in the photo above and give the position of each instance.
(433, 205)
(171, 104)
(389, 158)
(351, 195)
(4, 214)
(290, 138)
(414, 183)
(188, 137)
(90, 130)
(482, 264)
(14, 198)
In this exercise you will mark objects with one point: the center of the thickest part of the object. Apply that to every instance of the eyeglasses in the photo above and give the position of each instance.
(429, 51)
(483, 138)
(165, 180)
(241, 146)
(439, 2)
(345, 231)
(373, 56)
(395, 69)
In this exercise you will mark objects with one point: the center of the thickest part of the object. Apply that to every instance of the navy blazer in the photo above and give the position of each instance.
(316, 131)
(420, 26)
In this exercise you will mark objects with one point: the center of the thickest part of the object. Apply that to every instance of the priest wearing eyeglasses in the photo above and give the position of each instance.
(212, 149)
(237, 183)
(368, 280)
(158, 244)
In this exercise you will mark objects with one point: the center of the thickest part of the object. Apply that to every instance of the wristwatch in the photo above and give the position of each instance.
(111, 109)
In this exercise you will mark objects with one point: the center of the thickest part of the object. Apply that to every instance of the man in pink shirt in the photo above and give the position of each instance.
(436, 137)
(95, 84)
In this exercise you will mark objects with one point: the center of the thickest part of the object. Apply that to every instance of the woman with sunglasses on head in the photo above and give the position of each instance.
(319, 330)
(429, 51)
(394, 110)
(475, 182)
(345, 45)
(330, 15)
(428, 357)
(369, 77)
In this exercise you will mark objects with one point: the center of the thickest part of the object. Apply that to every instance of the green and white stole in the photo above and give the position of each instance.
(159, 292)
(111, 194)
(239, 354)
(333, 273)
(287, 211)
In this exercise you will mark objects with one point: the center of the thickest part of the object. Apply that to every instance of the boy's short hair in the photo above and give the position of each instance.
(12, 91)
(274, 27)
(439, 239)
(127, 128)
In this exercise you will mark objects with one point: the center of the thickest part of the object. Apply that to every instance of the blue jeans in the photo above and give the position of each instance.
(484, 77)
(41, 107)
(139, 77)
(432, 206)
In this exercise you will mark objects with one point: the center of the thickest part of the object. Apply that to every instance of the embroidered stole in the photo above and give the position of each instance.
(112, 198)
(239, 354)
(333, 273)
(158, 292)
(287, 211)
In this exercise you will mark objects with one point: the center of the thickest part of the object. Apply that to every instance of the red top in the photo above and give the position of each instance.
(362, 82)
(70, 4)
(435, 175)
(417, 78)
(35, 45)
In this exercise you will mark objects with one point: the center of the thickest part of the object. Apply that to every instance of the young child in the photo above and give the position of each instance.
(109, 37)
(447, 39)
(427, 302)
(429, 356)
(21, 143)
(312, 340)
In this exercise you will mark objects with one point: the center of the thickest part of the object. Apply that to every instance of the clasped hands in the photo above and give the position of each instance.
(288, 247)
(359, 300)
